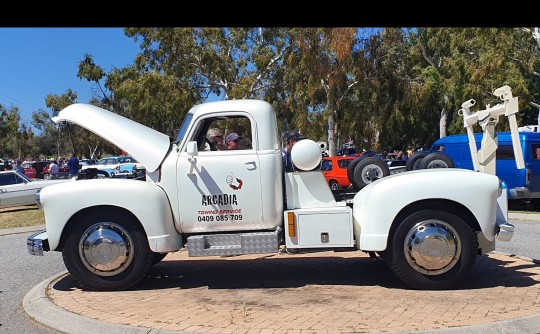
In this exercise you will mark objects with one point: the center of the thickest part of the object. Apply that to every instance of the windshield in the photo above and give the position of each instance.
(184, 127)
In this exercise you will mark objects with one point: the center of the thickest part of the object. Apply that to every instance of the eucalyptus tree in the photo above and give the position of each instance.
(67, 137)
(320, 75)
(192, 65)
(12, 141)
(465, 63)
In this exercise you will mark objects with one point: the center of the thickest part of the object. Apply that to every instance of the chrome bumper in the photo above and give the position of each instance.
(37, 243)
(505, 232)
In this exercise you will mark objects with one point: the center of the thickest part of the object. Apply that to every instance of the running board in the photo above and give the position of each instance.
(234, 244)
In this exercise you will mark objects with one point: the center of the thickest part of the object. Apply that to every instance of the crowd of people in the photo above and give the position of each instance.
(52, 165)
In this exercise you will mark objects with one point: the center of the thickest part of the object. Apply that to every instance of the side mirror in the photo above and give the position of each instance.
(192, 148)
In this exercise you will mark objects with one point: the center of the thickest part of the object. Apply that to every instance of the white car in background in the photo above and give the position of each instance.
(17, 189)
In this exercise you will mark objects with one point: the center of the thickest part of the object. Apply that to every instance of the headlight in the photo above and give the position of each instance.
(38, 196)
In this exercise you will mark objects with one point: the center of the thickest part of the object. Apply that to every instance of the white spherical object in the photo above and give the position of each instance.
(306, 154)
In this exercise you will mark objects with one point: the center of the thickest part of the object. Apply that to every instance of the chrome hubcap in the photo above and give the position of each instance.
(437, 164)
(106, 249)
(372, 173)
(432, 247)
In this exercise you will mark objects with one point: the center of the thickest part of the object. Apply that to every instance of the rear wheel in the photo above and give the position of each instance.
(432, 249)
(334, 185)
(107, 251)
(413, 163)
(369, 170)
(436, 160)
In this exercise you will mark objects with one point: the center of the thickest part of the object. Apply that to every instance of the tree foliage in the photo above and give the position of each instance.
(385, 88)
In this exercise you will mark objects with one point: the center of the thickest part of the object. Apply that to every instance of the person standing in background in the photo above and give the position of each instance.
(292, 138)
(53, 170)
(18, 168)
(73, 164)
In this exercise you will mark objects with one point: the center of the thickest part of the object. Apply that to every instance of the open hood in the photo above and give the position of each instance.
(146, 145)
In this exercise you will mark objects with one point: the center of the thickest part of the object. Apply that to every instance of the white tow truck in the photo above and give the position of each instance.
(428, 225)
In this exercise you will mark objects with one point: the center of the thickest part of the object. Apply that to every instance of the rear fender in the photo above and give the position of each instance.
(146, 201)
(376, 207)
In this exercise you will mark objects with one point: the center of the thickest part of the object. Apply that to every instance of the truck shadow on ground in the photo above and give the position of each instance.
(272, 272)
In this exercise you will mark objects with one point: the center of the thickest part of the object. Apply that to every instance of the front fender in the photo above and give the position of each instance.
(376, 206)
(147, 201)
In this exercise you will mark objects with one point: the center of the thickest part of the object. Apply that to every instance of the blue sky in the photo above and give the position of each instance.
(36, 62)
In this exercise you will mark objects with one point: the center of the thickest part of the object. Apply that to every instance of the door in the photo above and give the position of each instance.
(16, 191)
(535, 168)
(220, 190)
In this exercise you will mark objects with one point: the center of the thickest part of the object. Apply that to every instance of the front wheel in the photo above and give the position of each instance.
(432, 249)
(107, 251)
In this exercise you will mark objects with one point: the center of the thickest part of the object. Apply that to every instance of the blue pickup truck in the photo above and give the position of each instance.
(522, 184)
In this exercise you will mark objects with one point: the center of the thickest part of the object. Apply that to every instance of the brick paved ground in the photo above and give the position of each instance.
(305, 294)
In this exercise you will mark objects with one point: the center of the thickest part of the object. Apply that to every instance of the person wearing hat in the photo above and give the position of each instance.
(232, 141)
(292, 138)
(216, 139)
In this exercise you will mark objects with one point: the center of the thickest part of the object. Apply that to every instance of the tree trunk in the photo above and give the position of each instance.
(331, 136)
(442, 124)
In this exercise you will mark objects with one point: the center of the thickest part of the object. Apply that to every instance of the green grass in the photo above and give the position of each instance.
(20, 216)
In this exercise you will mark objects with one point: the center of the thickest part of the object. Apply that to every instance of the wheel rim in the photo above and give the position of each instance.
(437, 164)
(372, 173)
(334, 186)
(432, 247)
(106, 249)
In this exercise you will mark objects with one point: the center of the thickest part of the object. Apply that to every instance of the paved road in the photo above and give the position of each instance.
(20, 271)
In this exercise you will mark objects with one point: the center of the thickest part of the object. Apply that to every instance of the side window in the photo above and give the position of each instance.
(19, 179)
(212, 133)
(10, 178)
(535, 149)
(343, 163)
(6, 179)
(326, 165)
(438, 148)
(505, 152)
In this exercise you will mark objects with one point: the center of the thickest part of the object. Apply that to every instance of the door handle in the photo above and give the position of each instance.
(251, 163)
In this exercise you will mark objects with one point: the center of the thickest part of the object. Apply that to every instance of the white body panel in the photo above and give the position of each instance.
(321, 228)
(146, 145)
(145, 200)
(377, 205)
(308, 190)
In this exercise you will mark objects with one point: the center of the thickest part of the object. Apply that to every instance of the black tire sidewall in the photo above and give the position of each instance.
(350, 170)
(413, 160)
(434, 157)
(137, 269)
(401, 268)
(362, 164)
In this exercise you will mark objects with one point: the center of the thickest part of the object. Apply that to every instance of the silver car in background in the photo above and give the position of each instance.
(17, 189)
